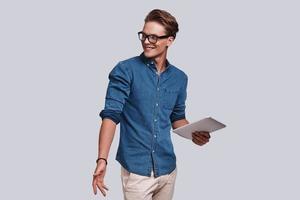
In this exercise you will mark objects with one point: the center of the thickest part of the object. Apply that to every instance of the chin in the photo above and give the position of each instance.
(150, 54)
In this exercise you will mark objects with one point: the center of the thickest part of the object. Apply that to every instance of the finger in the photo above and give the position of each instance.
(197, 142)
(105, 187)
(203, 138)
(102, 190)
(98, 172)
(197, 133)
(194, 140)
(206, 134)
(95, 186)
(200, 140)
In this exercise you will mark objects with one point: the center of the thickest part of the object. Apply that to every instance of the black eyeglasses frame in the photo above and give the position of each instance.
(150, 40)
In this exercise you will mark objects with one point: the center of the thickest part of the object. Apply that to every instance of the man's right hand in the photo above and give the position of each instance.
(98, 178)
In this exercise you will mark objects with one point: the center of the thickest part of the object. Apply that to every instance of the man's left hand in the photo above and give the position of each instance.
(200, 137)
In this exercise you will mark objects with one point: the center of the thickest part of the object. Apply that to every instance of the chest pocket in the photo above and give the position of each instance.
(169, 97)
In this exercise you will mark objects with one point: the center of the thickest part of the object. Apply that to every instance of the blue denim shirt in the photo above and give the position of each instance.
(145, 104)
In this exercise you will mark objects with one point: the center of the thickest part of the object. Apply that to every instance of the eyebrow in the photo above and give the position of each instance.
(151, 34)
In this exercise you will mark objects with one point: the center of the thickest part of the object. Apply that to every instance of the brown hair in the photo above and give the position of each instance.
(165, 19)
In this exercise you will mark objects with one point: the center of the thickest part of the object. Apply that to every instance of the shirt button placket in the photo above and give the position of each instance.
(156, 127)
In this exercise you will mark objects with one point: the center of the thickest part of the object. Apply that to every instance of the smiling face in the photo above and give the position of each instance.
(160, 47)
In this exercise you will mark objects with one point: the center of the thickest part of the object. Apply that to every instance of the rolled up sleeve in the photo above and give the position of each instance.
(117, 93)
(178, 112)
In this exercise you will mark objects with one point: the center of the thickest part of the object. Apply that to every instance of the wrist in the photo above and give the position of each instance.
(101, 159)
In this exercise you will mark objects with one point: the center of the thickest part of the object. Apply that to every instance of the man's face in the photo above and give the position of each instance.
(160, 47)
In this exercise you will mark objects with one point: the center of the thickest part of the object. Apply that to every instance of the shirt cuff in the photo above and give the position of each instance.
(115, 116)
(176, 118)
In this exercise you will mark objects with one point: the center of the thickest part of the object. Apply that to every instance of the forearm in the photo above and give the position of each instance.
(179, 123)
(106, 135)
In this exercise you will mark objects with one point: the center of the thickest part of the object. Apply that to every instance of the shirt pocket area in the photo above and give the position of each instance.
(169, 97)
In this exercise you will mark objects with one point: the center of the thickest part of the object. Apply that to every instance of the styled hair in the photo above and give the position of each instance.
(164, 18)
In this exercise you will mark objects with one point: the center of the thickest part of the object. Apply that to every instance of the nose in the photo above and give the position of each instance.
(146, 41)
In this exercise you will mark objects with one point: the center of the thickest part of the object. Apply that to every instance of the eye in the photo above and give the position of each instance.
(152, 37)
(144, 36)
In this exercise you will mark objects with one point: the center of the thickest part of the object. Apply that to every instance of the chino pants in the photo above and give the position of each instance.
(137, 187)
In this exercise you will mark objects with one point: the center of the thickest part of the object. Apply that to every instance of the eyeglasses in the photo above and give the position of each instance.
(151, 38)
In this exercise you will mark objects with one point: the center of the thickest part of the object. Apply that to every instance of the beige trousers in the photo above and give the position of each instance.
(137, 187)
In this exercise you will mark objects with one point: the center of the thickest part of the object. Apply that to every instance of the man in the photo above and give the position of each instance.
(146, 95)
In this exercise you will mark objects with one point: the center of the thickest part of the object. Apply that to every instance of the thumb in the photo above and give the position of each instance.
(99, 170)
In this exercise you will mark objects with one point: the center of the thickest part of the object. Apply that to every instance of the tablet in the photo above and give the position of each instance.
(207, 124)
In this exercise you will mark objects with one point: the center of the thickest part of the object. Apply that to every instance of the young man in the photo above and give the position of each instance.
(146, 95)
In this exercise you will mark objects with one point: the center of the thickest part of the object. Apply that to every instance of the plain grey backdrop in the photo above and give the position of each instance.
(242, 59)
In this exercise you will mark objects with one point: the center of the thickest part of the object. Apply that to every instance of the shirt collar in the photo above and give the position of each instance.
(150, 62)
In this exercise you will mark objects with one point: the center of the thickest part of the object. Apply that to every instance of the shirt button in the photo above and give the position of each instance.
(153, 151)
(158, 89)
(155, 120)
(156, 104)
(155, 136)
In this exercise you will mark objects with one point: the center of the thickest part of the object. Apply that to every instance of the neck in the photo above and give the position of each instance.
(160, 62)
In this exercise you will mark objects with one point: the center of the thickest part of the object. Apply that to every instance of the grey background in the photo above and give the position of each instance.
(241, 58)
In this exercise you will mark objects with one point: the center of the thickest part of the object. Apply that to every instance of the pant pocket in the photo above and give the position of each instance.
(125, 175)
(172, 176)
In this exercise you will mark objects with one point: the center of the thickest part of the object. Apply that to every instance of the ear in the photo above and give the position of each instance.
(170, 41)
